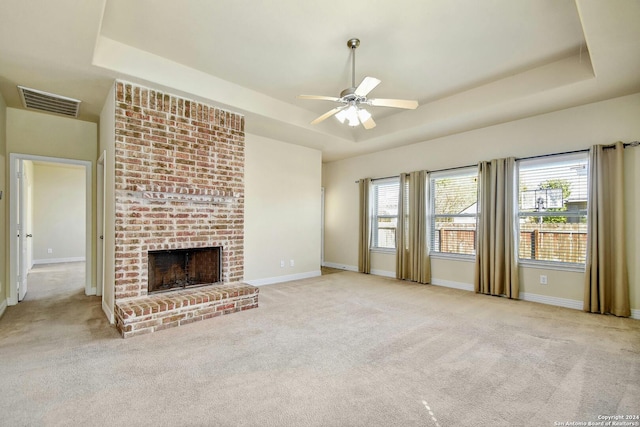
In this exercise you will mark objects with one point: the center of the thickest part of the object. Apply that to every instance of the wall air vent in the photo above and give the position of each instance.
(49, 102)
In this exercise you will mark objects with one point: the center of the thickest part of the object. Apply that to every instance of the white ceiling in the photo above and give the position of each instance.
(469, 63)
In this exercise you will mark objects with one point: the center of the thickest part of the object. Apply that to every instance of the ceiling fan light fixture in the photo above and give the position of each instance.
(341, 116)
(353, 121)
(363, 115)
(351, 115)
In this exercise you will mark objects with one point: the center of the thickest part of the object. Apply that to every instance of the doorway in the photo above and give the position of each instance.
(60, 211)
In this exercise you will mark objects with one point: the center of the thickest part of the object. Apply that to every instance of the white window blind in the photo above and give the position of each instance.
(454, 211)
(385, 213)
(552, 216)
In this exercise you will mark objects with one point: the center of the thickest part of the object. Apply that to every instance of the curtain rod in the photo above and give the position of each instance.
(625, 145)
(586, 150)
(438, 170)
(379, 179)
(552, 154)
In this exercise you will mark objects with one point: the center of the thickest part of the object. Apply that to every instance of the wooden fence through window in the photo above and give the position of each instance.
(545, 242)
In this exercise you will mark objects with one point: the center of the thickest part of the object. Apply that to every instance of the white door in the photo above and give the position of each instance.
(21, 253)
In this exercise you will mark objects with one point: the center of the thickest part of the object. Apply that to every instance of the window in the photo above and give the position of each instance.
(552, 209)
(385, 213)
(454, 210)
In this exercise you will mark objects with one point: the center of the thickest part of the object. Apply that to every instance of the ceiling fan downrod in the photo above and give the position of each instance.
(353, 45)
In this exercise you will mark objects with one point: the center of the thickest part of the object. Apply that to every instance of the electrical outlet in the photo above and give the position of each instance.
(281, 263)
(543, 279)
(49, 251)
(292, 263)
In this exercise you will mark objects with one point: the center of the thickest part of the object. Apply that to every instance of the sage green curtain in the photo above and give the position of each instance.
(496, 271)
(606, 285)
(364, 230)
(412, 256)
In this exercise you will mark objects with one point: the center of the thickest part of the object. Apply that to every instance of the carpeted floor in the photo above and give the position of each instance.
(342, 349)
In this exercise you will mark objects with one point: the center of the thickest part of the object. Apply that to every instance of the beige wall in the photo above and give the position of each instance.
(48, 135)
(59, 221)
(565, 130)
(3, 204)
(282, 210)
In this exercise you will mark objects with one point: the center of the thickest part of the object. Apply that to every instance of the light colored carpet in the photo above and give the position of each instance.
(343, 349)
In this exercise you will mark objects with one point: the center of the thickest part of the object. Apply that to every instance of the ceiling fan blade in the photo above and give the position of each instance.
(326, 115)
(320, 97)
(366, 119)
(395, 103)
(366, 86)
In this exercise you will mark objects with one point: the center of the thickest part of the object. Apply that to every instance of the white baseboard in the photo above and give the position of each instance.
(452, 284)
(59, 260)
(340, 266)
(3, 307)
(108, 312)
(384, 273)
(287, 278)
(564, 302)
(544, 299)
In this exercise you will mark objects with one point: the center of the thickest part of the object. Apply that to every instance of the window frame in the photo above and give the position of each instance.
(374, 214)
(457, 172)
(580, 213)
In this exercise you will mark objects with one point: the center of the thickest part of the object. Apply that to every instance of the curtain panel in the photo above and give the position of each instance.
(496, 270)
(402, 230)
(364, 229)
(606, 287)
(412, 255)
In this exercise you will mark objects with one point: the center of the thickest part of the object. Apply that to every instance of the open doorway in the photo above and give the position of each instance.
(50, 218)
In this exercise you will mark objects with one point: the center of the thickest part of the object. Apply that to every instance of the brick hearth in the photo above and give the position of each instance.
(179, 184)
(167, 310)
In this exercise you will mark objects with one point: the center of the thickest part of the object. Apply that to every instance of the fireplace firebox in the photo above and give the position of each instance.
(182, 268)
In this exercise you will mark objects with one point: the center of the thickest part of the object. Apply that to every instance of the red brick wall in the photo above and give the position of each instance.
(179, 182)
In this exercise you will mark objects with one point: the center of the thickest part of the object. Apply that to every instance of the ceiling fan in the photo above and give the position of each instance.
(353, 98)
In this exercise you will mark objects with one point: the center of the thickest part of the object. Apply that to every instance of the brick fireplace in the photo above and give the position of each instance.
(179, 186)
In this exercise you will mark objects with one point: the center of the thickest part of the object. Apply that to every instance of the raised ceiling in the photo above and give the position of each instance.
(469, 63)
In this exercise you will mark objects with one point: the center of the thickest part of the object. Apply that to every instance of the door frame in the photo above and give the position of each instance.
(20, 214)
(321, 226)
(100, 205)
(89, 289)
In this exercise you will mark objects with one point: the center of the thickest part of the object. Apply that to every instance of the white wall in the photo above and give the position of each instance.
(572, 129)
(58, 213)
(282, 210)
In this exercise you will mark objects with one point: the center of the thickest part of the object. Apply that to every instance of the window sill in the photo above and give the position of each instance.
(550, 265)
(383, 251)
(453, 257)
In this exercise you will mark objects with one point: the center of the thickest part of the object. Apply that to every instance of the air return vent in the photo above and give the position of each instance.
(49, 102)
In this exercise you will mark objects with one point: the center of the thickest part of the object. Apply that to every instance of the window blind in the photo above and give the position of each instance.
(552, 208)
